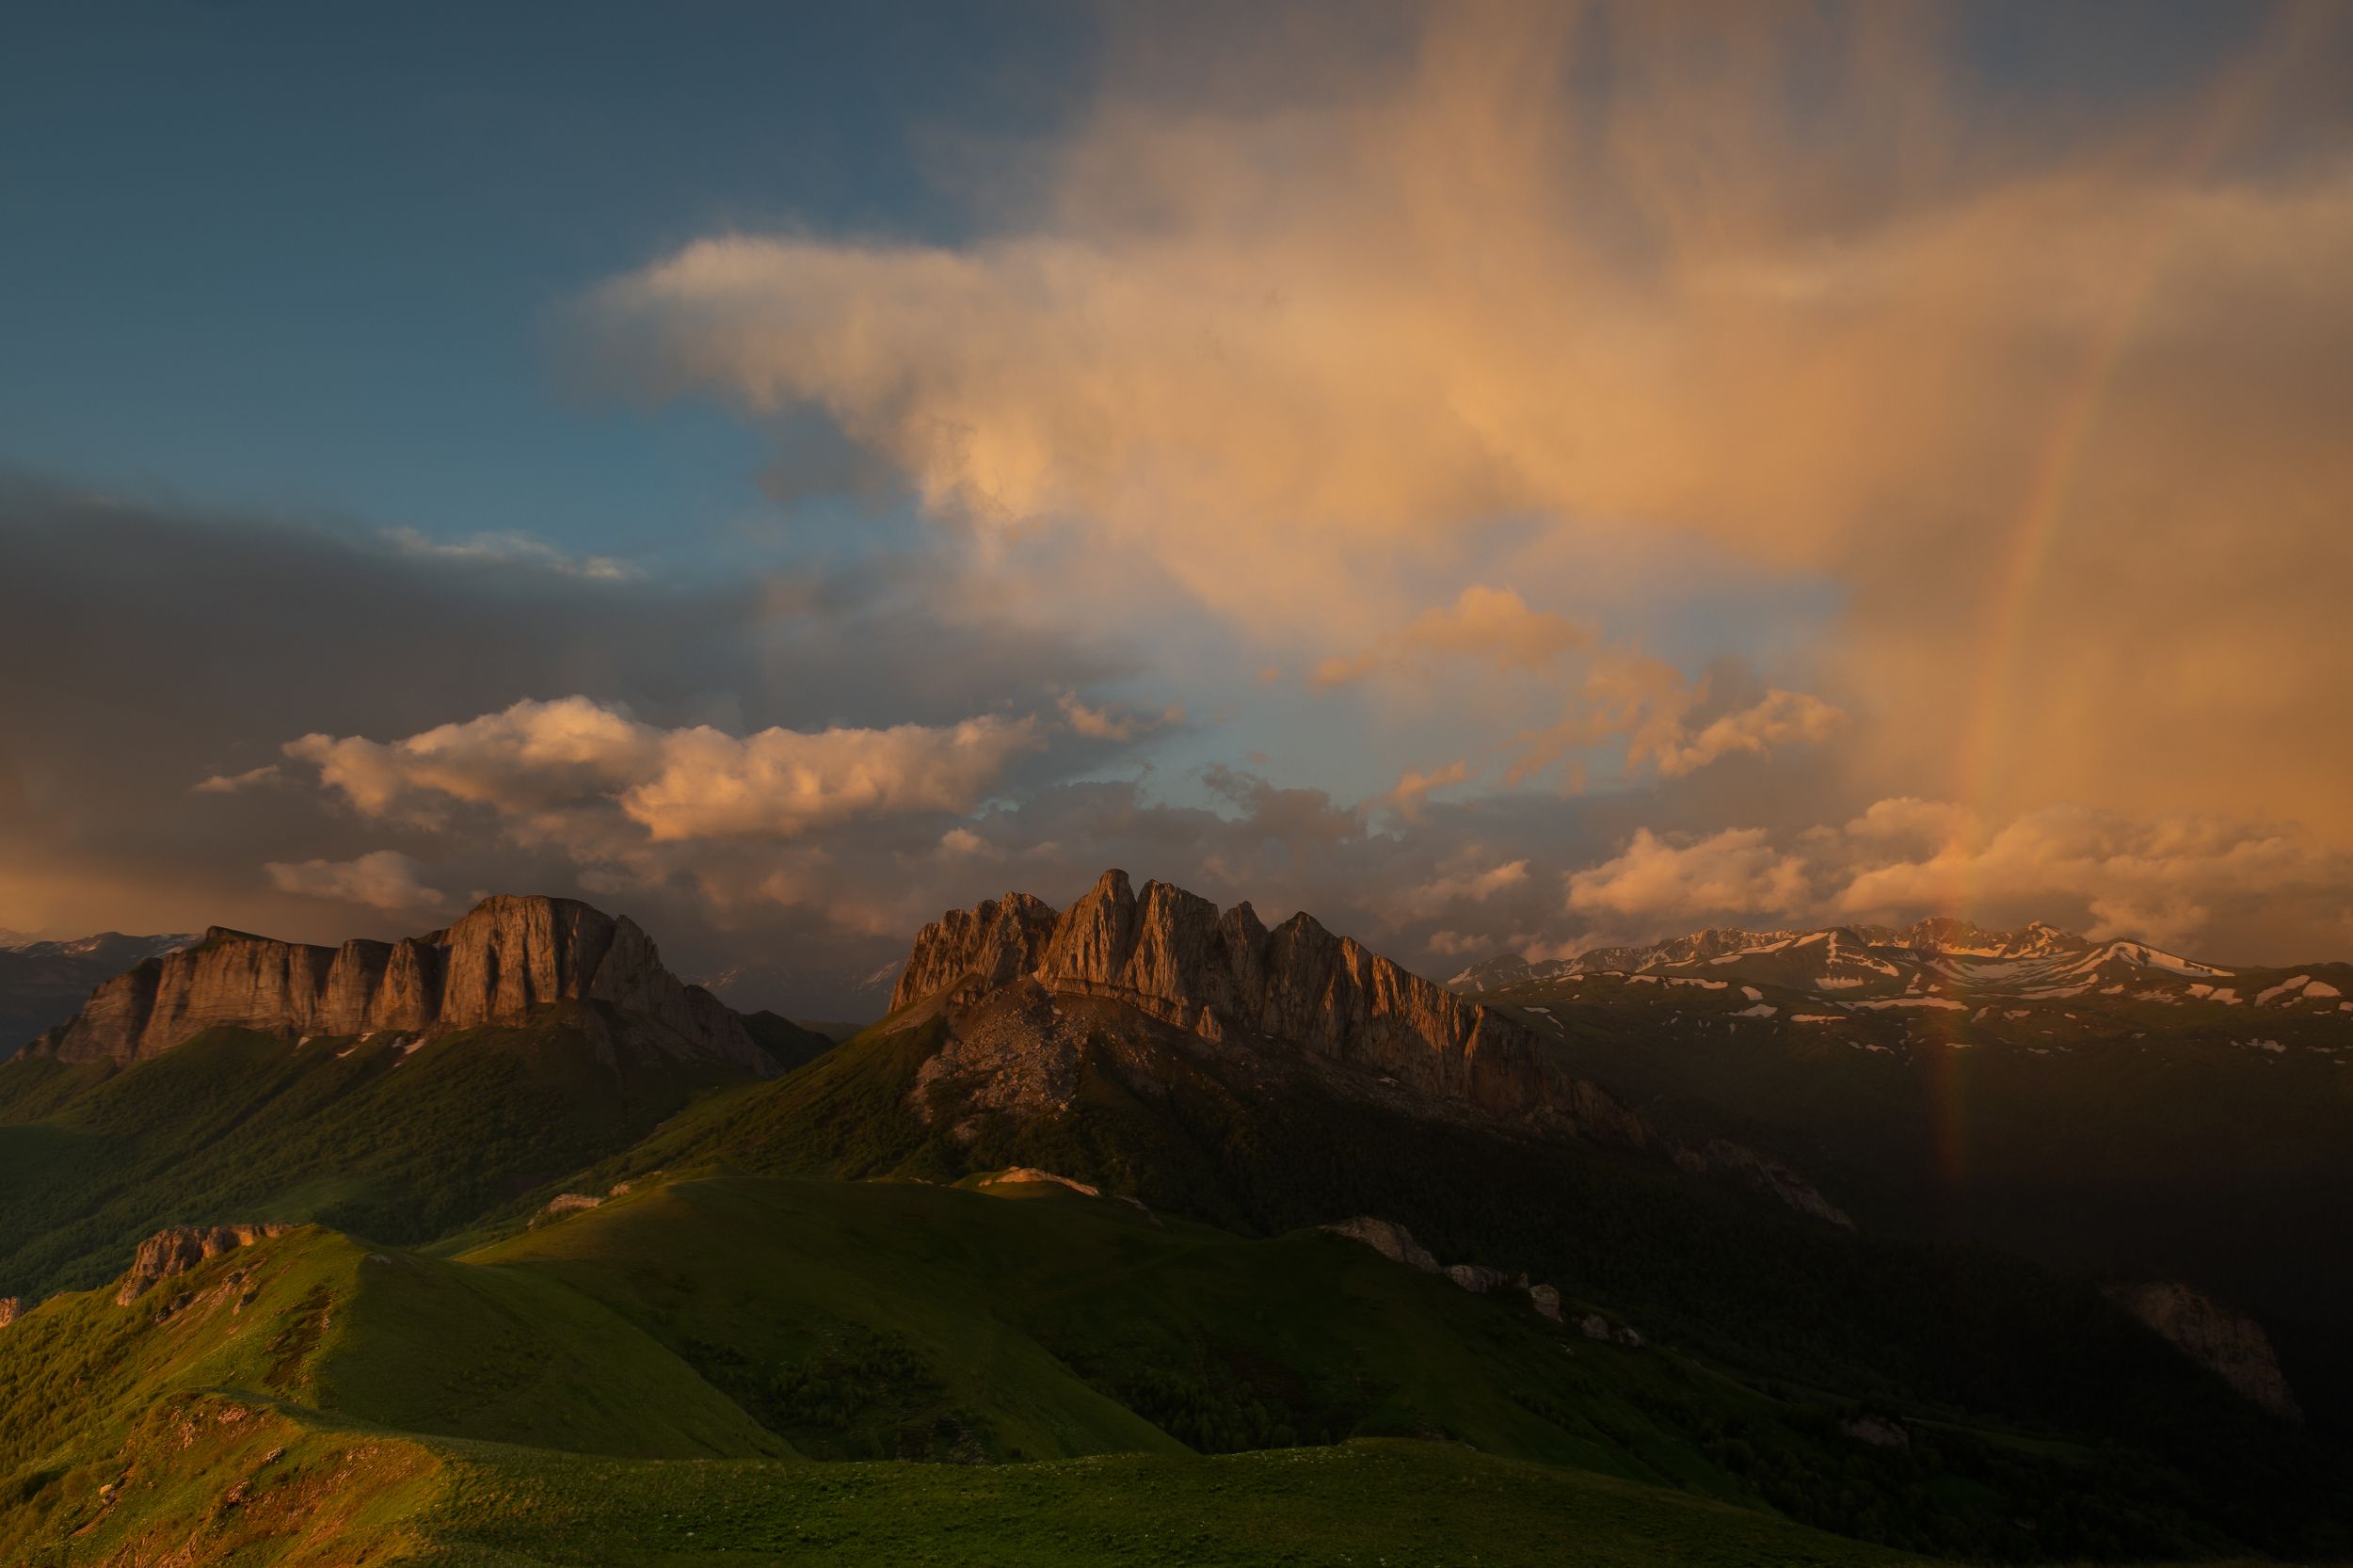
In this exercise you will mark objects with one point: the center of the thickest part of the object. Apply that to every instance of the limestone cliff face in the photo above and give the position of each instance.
(1176, 956)
(2229, 1342)
(1223, 975)
(505, 958)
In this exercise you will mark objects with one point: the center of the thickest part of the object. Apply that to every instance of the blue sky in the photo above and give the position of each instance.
(313, 260)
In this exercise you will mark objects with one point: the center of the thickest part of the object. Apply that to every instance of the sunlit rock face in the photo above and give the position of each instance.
(181, 1248)
(505, 959)
(1221, 975)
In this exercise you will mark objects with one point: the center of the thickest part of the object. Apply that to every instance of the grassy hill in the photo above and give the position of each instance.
(655, 1382)
(404, 1145)
(1948, 1334)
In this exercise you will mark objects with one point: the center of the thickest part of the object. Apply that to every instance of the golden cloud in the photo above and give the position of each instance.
(2059, 410)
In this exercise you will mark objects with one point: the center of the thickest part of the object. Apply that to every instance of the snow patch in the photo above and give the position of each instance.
(2265, 995)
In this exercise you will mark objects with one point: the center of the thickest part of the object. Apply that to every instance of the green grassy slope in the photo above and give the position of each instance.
(1947, 1333)
(235, 1125)
(618, 1386)
(310, 1400)
(1366, 1503)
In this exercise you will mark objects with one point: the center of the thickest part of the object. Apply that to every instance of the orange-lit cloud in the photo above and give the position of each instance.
(382, 879)
(2060, 410)
(574, 770)
(1489, 625)
(2163, 880)
(1412, 788)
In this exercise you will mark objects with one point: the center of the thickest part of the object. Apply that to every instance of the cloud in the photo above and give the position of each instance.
(1493, 626)
(2054, 381)
(511, 549)
(1414, 788)
(1661, 879)
(306, 629)
(554, 769)
(2166, 880)
(1670, 723)
(382, 879)
(1111, 722)
(1469, 884)
(781, 783)
(229, 784)
(1778, 719)
(2163, 880)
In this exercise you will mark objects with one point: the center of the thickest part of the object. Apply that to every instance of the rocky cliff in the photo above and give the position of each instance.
(1224, 976)
(1179, 957)
(181, 1248)
(507, 957)
(2229, 1342)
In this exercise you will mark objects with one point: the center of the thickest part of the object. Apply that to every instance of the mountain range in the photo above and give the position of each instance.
(2108, 1108)
(1113, 1189)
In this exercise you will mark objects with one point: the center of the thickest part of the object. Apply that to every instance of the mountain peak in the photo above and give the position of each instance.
(1299, 992)
(502, 959)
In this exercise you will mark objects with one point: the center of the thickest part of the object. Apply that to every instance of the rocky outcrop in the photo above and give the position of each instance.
(1222, 975)
(1877, 1430)
(2230, 1343)
(10, 1310)
(562, 1204)
(181, 1248)
(993, 942)
(1029, 1176)
(1396, 1243)
(1389, 1239)
(1595, 1326)
(1722, 1157)
(1177, 957)
(1479, 1279)
(505, 958)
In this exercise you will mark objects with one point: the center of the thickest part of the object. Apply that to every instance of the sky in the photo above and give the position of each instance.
(1503, 478)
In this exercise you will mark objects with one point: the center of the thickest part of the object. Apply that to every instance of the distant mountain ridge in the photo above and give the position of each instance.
(42, 982)
(2035, 955)
(506, 956)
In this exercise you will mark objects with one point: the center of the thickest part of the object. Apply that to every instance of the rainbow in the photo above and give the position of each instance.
(2287, 35)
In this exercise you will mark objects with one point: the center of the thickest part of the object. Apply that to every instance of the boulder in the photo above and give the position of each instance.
(1390, 1239)
(1477, 1277)
(1877, 1430)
